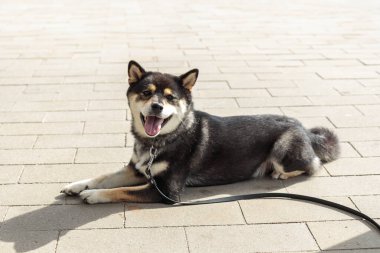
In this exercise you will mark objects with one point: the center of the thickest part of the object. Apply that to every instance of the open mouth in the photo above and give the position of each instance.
(153, 124)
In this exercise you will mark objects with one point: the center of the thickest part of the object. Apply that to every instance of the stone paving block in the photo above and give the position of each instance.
(350, 84)
(316, 111)
(367, 148)
(243, 111)
(103, 155)
(298, 92)
(272, 101)
(233, 93)
(203, 103)
(358, 134)
(10, 173)
(287, 237)
(80, 141)
(95, 79)
(290, 63)
(354, 166)
(346, 150)
(156, 215)
(332, 62)
(284, 211)
(107, 127)
(46, 106)
(334, 186)
(28, 241)
(30, 194)
(6, 106)
(15, 142)
(41, 128)
(285, 76)
(57, 89)
(59, 217)
(38, 97)
(340, 235)
(354, 121)
(370, 61)
(371, 110)
(111, 86)
(107, 104)
(211, 85)
(85, 116)
(370, 205)
(370, 82)
(345, 74)
(68, 173)
(8, 117)
(359, 90)
(237, 83)
(124, 240)
(344, 100)
(33, 156)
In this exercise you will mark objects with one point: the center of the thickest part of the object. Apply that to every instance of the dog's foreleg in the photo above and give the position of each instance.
(127, 176)
(138, 194)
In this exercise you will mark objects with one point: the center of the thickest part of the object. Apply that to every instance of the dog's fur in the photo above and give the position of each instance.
(198, 149)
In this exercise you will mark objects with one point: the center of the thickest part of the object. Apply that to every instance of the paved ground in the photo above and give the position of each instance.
(63, 109)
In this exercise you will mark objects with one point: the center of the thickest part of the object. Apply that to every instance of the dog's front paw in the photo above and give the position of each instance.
(94, 196)
(76, 187)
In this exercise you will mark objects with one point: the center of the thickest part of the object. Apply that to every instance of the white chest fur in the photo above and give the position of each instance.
(140, 158)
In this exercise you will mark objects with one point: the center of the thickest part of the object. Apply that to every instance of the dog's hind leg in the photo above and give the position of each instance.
(292, 155)
(127, 176)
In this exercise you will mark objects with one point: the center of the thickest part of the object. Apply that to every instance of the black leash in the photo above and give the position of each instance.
(153, 154)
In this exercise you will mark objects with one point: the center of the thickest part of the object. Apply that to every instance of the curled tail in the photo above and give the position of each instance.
(325, 143)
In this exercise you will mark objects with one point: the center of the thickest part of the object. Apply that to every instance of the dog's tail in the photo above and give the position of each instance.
(325, 143)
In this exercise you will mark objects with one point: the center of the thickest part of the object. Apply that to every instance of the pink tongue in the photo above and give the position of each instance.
(153, 125)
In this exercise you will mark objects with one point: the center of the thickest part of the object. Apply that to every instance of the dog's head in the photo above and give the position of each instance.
(158, 101)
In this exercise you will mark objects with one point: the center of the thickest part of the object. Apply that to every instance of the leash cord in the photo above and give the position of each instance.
(153, 154)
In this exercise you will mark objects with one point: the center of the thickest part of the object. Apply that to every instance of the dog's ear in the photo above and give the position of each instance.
(189, 78)
(135, 72)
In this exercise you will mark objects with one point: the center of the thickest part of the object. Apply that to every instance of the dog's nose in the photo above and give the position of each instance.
(157, 108)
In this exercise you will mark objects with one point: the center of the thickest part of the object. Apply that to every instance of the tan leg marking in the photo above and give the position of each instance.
(279, 172)
(138, 194)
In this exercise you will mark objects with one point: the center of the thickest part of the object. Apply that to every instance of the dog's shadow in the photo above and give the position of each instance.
(31, 228)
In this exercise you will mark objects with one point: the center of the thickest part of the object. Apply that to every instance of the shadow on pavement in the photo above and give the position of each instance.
(32, 227)
(368, 240)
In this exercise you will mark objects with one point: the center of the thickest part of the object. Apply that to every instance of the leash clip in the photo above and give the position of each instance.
(153, 154)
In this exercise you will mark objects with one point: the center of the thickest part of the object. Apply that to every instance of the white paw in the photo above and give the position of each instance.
(94, 196)
(76, 187)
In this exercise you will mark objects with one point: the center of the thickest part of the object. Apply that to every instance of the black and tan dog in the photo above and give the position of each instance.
(198, 149)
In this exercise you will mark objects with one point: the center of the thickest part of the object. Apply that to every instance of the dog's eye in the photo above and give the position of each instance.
(147, 93)
(170, 97)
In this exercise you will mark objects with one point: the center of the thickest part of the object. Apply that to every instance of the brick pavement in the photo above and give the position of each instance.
(63, 74)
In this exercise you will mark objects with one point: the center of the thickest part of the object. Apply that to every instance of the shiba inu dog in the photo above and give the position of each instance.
(198, 149)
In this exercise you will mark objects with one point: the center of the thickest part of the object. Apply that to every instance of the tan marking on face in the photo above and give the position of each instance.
(168, 91)
(152, 87)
